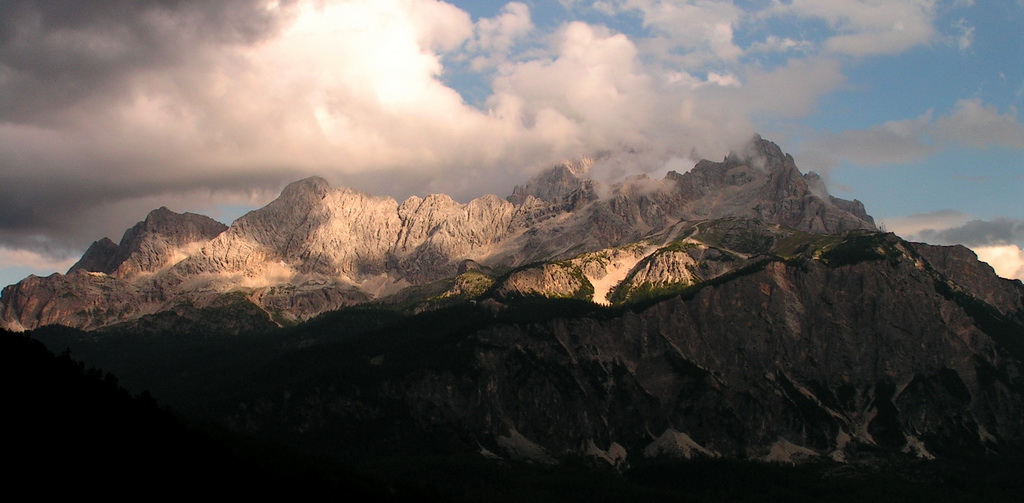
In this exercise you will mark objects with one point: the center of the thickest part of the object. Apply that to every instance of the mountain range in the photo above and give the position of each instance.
(733, 311)
(316, 248)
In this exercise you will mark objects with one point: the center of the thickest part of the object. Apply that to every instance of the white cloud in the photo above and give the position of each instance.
(970, 124)
(791, 90)
(597, 91)
(966, 38)
(593, 92)
(606, 7)
(502, 31)
(703, 28)
(867, 27)
(892, 142)
(1008, 260)
(780, 44)
(726, 80)
(344, 88)
(910, 226)
(495, 37)
(29, 260)
(975, 124)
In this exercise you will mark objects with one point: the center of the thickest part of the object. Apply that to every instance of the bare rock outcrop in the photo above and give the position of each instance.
(962, 266)
(557, 184)
(79, 299)
(161, 240)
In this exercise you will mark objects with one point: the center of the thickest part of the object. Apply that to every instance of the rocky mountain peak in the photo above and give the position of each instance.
(101, 256)
(769, 152)
(179, 228)
(159, 217)
(763, 182)
(150, 244)
(553, 184)
(816, 184)
(311, 188)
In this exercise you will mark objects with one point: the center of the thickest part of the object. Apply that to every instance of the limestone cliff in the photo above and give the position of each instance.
(159, 241)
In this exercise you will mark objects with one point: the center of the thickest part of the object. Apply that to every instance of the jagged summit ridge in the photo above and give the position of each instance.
(554, 184)
(150, 245)
(316, 247)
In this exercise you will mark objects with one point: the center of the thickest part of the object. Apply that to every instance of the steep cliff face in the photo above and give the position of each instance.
(962, 266)
(764, 183)
(317, 248)
(856, 348)
(101, 256)
(111, 283)
(678, 265)
(80, 299)
(310, 229)
(552, 280)
(556, 184)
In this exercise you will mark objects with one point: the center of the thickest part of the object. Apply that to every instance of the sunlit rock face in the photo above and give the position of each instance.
(159, 241)
(316, 248)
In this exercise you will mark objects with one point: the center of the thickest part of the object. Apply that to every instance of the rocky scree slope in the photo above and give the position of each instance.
(317, 248)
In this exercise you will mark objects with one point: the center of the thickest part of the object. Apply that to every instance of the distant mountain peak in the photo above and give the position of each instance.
(313, 186)
(101, 256)
(760, 151)
(150, 244)
(553, 184)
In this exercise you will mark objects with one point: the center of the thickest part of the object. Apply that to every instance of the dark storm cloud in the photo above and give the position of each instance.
(66, 66)
(56, 54)
(1001, 231)
(109, 108)
(57, 217)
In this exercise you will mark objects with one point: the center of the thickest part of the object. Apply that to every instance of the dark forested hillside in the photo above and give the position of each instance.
(73, 431)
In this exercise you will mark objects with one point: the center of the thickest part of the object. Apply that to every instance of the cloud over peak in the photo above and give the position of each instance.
(998, 241)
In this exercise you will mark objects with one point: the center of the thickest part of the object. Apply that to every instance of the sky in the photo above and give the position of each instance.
(112, 108)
